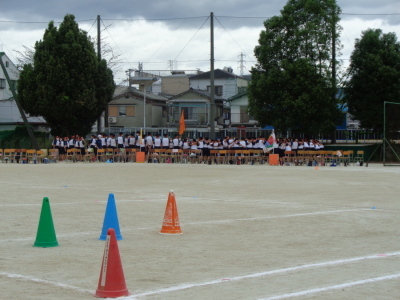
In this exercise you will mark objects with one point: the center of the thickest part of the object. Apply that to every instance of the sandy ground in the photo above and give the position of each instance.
(249, 232)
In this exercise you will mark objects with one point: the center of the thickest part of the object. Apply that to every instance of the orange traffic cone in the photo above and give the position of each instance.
(316, 168)
(171, 219)
(112, 281)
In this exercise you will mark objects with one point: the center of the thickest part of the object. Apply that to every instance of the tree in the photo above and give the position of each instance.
(66, 84)
(292, 86)
(373, 77)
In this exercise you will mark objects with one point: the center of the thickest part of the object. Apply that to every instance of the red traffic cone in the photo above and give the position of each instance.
(171, 219)
(112, 280)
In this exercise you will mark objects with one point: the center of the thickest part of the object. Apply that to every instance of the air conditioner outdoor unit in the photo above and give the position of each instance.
(112, 120)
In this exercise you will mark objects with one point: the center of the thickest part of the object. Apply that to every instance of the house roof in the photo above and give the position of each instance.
(237, 96)
(201, 93)
(122, 91)
(218, 74)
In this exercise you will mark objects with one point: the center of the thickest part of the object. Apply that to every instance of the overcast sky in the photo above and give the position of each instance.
(156, 32)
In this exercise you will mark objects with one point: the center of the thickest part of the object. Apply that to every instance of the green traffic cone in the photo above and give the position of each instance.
(46, 234)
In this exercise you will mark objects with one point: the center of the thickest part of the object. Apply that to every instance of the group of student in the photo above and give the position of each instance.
(146, 142)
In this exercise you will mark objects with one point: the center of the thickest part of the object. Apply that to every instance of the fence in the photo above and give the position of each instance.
(342, 136)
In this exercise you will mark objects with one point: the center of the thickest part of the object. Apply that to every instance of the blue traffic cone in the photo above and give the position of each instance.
(110, 219)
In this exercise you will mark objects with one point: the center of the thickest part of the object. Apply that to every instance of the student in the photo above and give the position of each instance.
(165, 142)
(175, 142)
(157, 142)
(93, 144)
(120, 140)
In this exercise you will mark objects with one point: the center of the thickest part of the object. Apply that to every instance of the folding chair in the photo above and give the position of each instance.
(31, 156)
(71, 155)
(109, 154)
(53, 155)
(41, 156)
(289, 157)
(118, 155)
(359, 157)
(130, 155)
(185, 155)
(195, 156)
(101, 155)
(8, 155)
(89, 155)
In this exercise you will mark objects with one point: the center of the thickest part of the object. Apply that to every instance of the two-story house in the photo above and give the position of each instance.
(10, 115)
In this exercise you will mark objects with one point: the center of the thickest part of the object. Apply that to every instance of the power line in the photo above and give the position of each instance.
(185, 18)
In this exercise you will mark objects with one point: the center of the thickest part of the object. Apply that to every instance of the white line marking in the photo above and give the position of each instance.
(266, 273)
(201, 223)
(333, 287)
(57, 284)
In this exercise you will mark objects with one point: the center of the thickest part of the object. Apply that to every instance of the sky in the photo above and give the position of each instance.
(175, 34)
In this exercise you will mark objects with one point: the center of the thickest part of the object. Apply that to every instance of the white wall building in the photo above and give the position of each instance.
(9, 113)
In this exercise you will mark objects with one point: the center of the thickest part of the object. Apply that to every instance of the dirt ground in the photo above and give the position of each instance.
(249, 232)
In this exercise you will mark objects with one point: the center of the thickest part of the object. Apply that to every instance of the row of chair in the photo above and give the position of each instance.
(23, 155)
(322, 158)
(215, 156)
(183, 156)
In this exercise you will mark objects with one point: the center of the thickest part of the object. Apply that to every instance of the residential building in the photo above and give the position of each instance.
(226, 83)
(239, 115)
(10, 115)
(126, 109)
(195, 105)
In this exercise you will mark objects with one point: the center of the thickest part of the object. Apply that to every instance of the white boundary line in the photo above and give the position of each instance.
(200, 223)
(254, 275)
(56, 284)
(333, 287)
(266, 273)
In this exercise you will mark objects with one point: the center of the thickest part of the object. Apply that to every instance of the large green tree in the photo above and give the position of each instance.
(292, 86)
(374, 77)
(66, 84)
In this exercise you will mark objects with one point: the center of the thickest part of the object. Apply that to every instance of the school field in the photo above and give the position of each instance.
(249, 232)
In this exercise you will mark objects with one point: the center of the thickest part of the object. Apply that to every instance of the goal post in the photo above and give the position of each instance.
(393, 160)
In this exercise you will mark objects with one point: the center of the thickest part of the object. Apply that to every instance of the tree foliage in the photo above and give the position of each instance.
(373, 78)
(66, 84)
(291, 87)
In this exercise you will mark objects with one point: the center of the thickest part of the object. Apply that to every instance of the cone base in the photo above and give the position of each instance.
(46, 244)
(171, 232)
(111, 294)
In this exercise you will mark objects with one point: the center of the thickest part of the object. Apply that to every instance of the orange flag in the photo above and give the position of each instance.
(182, 126)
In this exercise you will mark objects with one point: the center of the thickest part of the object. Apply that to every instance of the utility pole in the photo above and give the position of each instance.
(99, 58)
(241, 61)
(334, 90)
(21, 111)
(212, 88)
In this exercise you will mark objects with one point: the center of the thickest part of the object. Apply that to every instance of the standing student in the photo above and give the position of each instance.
(120, 140)
(165, 142)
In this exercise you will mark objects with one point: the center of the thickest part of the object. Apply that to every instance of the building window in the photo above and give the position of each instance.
(121, 111)
(218, 90)
(14, 85)
(2, 83)
(7, 64)
(189, 113)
